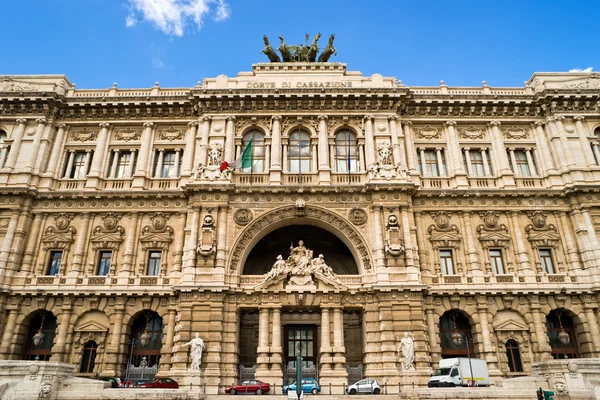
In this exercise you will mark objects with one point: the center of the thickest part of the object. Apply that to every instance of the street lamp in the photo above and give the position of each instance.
(38, 338)
(457, 339)
(563, 335)
(143, 340)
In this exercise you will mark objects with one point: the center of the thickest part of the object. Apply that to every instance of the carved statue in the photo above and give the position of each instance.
(314, 48)
(269, 52)
(197, 345)
(329, 50)
(214, 154)
(284, 50)
(279, 268)
(384, 153)
(406, 351)
(300, 256)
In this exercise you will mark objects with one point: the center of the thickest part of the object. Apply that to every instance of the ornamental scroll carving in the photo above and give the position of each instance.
(207, 245)
(61, 235)
(443, 234)
(84, 135)
(394, 244)
(492, 233)
(540, 233)
(514, 132)
(310, 212)
(128, 134)
(428, 132)
(471, 132)
(171, 133)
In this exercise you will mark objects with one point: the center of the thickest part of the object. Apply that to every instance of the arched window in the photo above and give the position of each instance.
(451, 322)
(346, 152)
(45, 323)
(154, 325)
(299, 152)
(556, 322)
(88, 359)
(258, 151)
(514, 356)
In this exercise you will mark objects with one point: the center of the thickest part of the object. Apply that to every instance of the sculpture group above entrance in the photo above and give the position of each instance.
(300, 266)
(301, 52)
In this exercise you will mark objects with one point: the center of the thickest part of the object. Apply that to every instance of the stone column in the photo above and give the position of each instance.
(584, 141)
(412, 272)
(179, 245)
(431, 332)
(203, 151)
(59, 349)
(70, 160)
(378, 231)
(15, 147)
(520, 247)
(314, 162)
(410, 147)
(546, 160)
(556, 142)
(339, 350)
(455, 158)
(267, 163)
(276, 345)
(229, 139)
(129, 253)
(129, 169)
(397, 148)
(79, 253)
(498, 148)
(35, 147)
(513, 161)
(96, 169)
(86, 165)
(361, 158)
(323, 148)
(177, 160)
(32, 243)
(8, 242)
(590, 315)
(597, 152)
(189, 258)
(325, 356)
(188, 154)
(571, 246)
(587, 253)
(113, 350)
(486, 164)
(540, 336)
(564, 140)
(440, 163)
(422, 245)
(468, 158)
(589, 225)
(115, 163)
(56, 150)
(9, 329)
(159, 164)
(472, 256)
(285, 158)
(222, 237)
(165, 360)
(369, 141)
(530, 161)
(141, 169)
(263, 343)
(424, 164)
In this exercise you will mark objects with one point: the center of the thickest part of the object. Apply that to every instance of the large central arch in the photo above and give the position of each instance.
(309, 215)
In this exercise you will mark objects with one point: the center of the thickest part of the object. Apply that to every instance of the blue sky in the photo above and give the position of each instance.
(179, 42)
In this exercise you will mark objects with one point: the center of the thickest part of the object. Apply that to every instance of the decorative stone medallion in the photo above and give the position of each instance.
(243, 216)
(357, 216)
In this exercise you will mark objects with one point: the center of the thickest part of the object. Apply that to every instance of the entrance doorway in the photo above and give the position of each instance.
(303, 339)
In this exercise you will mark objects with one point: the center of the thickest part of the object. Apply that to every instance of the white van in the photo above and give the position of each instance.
(457, 372)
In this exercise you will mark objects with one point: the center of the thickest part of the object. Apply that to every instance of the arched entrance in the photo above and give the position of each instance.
(150, 323)
(559, 323)
(336, 253)
(455, 322)
(40, 337)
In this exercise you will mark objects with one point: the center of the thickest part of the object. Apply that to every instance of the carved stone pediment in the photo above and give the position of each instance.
(492, 233)
(317, 282)
(494, 239)
(511, 325)
(443, 233)
(445, 240)
(91, 326)
(540, 233)
(157, 235)
(109, 235)
(60, 236)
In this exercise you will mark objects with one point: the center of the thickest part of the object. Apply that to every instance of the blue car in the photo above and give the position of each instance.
(309, 385)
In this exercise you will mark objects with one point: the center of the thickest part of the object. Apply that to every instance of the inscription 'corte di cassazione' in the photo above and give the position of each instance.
(298, 85)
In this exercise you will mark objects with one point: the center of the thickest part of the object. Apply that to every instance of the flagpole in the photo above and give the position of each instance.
(252, 160)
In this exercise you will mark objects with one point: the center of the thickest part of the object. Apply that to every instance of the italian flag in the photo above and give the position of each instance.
(243, 161)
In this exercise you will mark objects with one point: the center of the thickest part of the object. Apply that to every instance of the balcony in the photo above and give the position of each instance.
(164, 184)
(304, 179)
(482, 183)
(348, 179)
(529, 182)
(435, 183)
(71, 184)
(117, 184)
(250, 179)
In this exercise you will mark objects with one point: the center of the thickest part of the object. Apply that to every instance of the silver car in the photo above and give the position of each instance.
(364, 386)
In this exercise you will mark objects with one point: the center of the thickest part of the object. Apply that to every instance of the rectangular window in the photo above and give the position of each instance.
(446, 262)
(78, 164)
(123, 165)
(54, 262)
(104, 258)
(521, 165)
(168, 164)
(478, 164)
(496, 261)
(546, 261)
(154, 262)
(430, 163)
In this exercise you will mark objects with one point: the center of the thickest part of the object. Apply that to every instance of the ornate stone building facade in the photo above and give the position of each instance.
(440, 210)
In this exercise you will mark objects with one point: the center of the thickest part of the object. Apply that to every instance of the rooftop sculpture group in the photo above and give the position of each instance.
(299, 53)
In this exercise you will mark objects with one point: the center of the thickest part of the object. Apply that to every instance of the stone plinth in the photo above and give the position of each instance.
(576, 378)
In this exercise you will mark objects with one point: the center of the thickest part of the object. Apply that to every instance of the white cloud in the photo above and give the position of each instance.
(172, 16)
(588, 69)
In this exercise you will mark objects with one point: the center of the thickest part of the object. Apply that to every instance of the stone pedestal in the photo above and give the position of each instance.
(192, 380)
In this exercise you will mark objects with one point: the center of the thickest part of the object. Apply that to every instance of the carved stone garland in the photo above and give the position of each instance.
(207, 245)
(157, 235)
(60, 236)
(109, 235)
(394, 244)
(310, 212)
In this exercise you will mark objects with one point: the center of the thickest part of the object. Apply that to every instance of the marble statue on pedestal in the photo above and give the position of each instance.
(406, 352)
(197, 346)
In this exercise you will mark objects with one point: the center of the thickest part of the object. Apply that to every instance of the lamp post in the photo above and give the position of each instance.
(457, 339)
(299, 372)
(563, 335)
(143, 340)
(38, 338)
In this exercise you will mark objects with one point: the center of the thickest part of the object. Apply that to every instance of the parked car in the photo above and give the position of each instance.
(160, 383)
(252, 386)
(309, 385)
(364, 386)
(114, 382)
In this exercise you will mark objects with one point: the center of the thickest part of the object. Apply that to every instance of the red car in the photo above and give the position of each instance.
(257, 387)
(160, 383)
